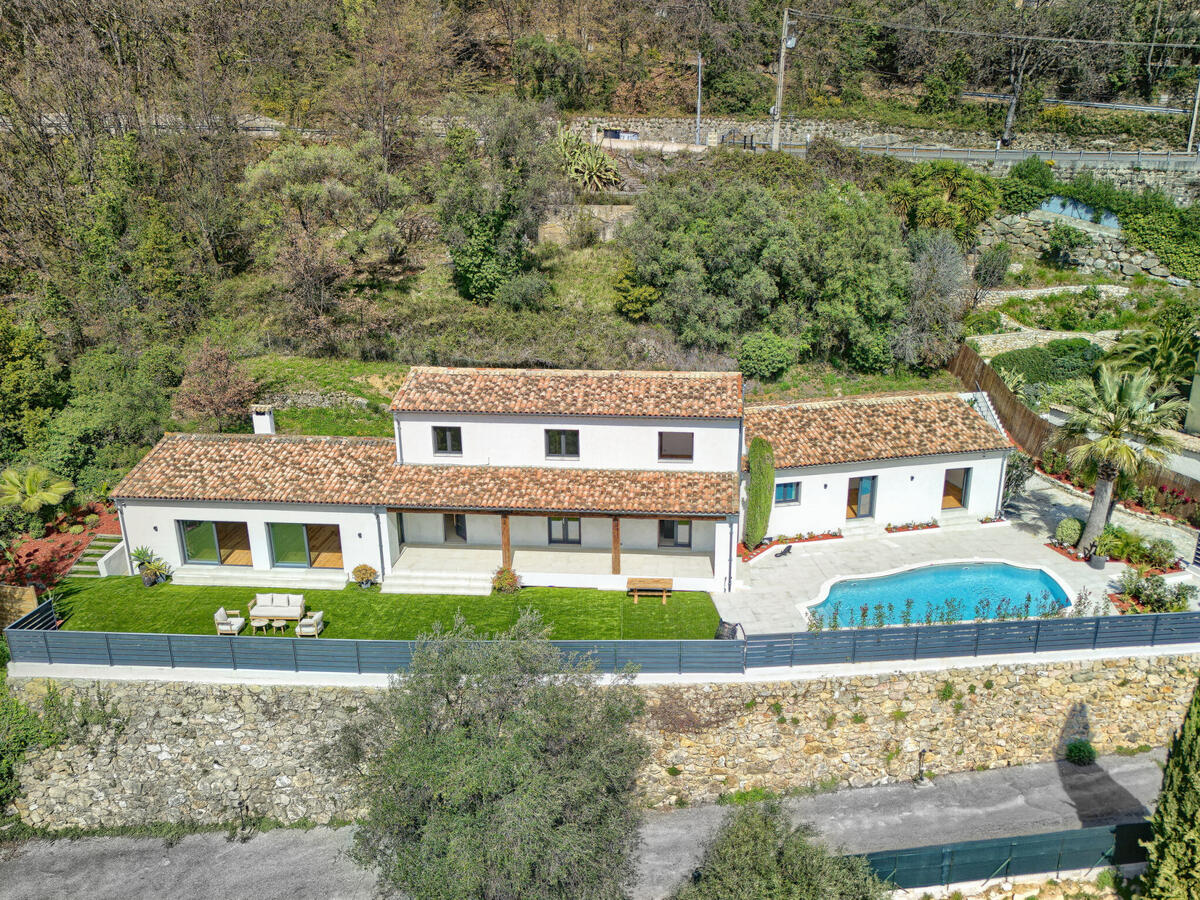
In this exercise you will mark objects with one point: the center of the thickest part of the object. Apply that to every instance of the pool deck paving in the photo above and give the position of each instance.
(775, 591)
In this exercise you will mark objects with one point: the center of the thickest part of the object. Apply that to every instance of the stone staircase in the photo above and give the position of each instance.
(477, 584)
(87, 565)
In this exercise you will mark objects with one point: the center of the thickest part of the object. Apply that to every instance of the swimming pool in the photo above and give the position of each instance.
(951, 592)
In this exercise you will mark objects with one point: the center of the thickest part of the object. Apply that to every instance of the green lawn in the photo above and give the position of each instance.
(809, 381)
(124, 604)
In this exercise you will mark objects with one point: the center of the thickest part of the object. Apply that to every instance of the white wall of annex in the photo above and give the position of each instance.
(153, 524)
(905, 491)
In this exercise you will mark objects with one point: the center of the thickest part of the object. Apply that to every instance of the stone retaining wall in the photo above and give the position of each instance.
(204, 752)
(1106, 254)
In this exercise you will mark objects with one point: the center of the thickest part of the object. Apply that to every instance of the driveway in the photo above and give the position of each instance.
(298, 865)
(776, 591)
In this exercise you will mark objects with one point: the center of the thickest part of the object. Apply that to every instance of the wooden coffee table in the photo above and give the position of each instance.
(256, 624)
(278, 625)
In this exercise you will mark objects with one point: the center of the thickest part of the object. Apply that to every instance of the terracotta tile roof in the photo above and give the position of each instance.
(363, 471)
(890, 427)
(705, 395)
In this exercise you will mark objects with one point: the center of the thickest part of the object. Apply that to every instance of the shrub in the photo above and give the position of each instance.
(758, 853)
(525, 291)
(548, 70)
(75, 529)
(1035, 363)
(506, 581)
(364, 574)
(1018, 196)
(1081, 753)
(982, 321)
(1063, 240)
(1016, 475)
(91, 520)
(633, 300)
(761, 492)
(766, 355)
(1173, 851)
(1034, 171)
(1069, 531)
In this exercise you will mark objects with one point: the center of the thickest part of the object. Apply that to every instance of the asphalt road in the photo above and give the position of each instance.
(311, 864)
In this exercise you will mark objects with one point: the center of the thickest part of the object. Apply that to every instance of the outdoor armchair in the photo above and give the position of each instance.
(228, 624)
(311, 627)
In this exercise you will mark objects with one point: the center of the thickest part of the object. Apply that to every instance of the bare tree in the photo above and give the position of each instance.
(215, 389)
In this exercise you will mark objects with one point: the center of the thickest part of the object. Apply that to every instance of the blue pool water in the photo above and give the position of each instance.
(958, 592)
(1067, 207)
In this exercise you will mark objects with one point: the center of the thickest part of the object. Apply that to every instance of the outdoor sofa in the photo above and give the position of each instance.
(277, 606)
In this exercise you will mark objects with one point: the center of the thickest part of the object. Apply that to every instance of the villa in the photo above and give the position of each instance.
(572, 478)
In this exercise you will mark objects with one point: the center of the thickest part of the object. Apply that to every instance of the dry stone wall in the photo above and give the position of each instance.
(207, 753)
(1106, 254)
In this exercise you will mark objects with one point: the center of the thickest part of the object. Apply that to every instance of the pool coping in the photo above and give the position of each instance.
(827, 585)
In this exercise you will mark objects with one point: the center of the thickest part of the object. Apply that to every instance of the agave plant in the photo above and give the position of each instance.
(32, 489)
(585, 164)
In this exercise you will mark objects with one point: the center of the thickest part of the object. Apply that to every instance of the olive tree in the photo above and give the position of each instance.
(497, 769)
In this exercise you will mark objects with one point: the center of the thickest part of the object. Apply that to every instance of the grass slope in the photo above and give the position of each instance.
(124, 604)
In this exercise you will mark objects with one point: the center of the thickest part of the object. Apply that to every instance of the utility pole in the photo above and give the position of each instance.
(1195, 109)
(777, 112)
(699, 81)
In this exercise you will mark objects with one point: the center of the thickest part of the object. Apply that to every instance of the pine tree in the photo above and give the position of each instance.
(1173, 853)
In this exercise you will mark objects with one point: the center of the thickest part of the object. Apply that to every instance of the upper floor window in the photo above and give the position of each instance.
(787, 492)
(564, 531)
(447, 439)
(562, 444)
(675, 444)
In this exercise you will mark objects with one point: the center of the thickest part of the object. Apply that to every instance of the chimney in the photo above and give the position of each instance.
(263, 417)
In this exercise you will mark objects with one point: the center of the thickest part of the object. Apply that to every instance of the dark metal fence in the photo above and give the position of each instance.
(34, 639)
(1001, 858)
(970, 639)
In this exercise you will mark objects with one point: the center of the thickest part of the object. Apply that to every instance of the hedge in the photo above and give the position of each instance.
(760, 493)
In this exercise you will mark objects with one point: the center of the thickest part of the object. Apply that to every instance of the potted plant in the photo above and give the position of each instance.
(364, 575)
(142, 556)
(155, 572)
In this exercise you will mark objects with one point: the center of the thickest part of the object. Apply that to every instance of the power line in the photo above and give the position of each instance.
(1004, 36)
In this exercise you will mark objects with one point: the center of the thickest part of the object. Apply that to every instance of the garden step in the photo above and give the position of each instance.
(471, 583)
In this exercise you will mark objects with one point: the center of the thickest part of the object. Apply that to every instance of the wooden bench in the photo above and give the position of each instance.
(656, 586)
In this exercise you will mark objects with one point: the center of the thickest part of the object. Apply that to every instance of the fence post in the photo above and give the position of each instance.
(295, 662)
(108, 649)
(46, 644)
(977, 639)
(947, 865)
(232, 652)
(1096, 633)
(171, 651)
(357, 660)
(1154, 633)
(1037, 634)
(679, 657)
(853, 647)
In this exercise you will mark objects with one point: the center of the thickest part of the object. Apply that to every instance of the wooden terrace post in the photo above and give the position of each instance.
(616, 546)
(505, 542)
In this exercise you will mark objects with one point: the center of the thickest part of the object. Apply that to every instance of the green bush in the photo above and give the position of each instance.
(766, 355)
(982, 321)
(1069, 531)
(548, 70)
(1081, 753)
(1173, 851)
(759, 854)
(1034, 171)
(761, 492)
(1035, 363)
(734, 91)
(633, 299)
(525, 291)
(1018, 197)
(20, 729)
(1063, 240)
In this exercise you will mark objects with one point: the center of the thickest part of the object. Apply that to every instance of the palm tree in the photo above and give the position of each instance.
(1121, 425)
(1170, 353)
(32, 489)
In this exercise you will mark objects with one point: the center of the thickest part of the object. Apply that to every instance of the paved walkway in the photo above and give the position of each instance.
(312, 864)
(777, 590)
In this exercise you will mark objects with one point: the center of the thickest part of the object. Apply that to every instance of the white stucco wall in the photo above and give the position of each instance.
(907, 490)
(532, 531)
(604, 442)
(153, 524)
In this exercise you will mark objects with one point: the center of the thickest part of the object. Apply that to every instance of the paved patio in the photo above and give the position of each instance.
(776, 590)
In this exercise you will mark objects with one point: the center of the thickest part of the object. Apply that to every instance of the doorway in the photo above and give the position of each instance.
(454, 528)
(860, 498)
(955, 488)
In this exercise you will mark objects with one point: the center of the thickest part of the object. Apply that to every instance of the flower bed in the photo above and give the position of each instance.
(48, 558)
(1071, 554)
(1173, 496)
(747, 555)
(911, 526)
(992, 520)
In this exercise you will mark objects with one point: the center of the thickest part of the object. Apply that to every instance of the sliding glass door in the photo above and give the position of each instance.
(860, 498)
(215, 543)
(305, 546)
